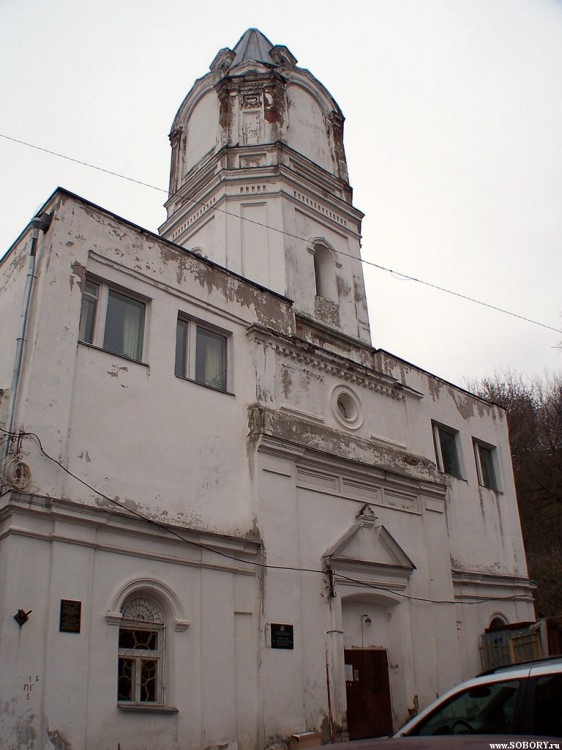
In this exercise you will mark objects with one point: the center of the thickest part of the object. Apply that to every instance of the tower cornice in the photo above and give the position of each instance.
(294, 178)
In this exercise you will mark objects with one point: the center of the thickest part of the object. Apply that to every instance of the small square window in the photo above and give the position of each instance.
(201, 354)
(485, 465)
(446, 450)
(112, 320)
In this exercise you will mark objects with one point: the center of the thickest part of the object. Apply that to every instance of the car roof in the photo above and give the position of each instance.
(545, 662)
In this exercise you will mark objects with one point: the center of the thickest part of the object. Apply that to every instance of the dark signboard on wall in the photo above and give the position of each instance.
(70, 616)
(282, 636)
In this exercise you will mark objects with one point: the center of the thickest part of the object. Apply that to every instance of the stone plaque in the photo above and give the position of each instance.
(282, 636)
(70, 616)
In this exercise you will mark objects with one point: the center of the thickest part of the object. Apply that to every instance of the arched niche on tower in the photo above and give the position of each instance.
(325, 264)
(315, 122)
(198, 128)
(306, 132)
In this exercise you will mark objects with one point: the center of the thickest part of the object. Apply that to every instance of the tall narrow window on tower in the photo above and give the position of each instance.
(325, 273)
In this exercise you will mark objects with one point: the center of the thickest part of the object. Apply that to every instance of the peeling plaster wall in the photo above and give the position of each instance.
(483, 525)
(352, 316)
(317, 474)
(13, 277)
(160, 444)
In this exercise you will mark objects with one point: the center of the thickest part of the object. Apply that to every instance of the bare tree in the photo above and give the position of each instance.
(534, 409)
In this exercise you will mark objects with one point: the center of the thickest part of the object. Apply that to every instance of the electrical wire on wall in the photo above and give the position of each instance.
(332, 575)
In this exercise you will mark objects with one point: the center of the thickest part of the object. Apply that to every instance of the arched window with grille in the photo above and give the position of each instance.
(141, 651)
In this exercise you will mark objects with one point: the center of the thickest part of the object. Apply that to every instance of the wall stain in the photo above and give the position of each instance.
(78, 274)
(58, 740)
(116, 370)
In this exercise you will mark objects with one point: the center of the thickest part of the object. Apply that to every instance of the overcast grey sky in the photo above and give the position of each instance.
(453, 136)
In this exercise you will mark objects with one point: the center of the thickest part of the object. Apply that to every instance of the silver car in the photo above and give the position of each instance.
(520, 699)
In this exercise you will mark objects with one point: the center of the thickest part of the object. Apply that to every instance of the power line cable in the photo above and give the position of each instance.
(83, 163)
(149, 520)
(293, 236)
(258, 564)
(462, 296)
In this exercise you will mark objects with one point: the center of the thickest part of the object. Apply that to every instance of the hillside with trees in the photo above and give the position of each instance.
(534, 409)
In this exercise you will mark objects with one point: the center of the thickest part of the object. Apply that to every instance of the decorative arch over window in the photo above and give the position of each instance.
(497, 622)
(154, 589)
(325, 270)
(148, 614)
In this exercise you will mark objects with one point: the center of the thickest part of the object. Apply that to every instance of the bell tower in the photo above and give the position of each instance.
(259, 183)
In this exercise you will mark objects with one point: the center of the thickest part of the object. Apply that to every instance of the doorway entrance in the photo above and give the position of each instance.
(369, 712)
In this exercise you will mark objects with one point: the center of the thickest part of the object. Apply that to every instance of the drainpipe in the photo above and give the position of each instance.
(43, 222)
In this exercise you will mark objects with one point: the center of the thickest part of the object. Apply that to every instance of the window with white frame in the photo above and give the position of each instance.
(485, 457)
(447, 450)
(201, 354)
(141, 650)
(112, 320)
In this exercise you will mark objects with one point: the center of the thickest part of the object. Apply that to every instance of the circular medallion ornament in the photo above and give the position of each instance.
(346, 407)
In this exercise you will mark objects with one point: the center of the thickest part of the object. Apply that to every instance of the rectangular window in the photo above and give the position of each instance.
(139, 665)
(488, 709)
(124, 325)
(90, 296)
(201, 354)
(210, 359)
(548, 699)
(112, 320)
(446, 450)
(181, 348)
(485, 465)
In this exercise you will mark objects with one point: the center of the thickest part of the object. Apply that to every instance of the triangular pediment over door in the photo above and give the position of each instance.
(369, 552)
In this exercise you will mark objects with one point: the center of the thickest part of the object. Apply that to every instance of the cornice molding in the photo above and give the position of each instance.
(476, 578)
(303, 176)
(303, 441)
(310, 355)
(107, 529)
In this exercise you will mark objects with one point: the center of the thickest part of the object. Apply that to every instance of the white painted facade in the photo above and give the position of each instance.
(303, 490)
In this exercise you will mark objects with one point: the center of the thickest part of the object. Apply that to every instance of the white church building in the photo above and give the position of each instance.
(225, 518)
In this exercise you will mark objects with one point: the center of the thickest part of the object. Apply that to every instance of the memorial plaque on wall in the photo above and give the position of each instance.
(70, 615)
(282, 636)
